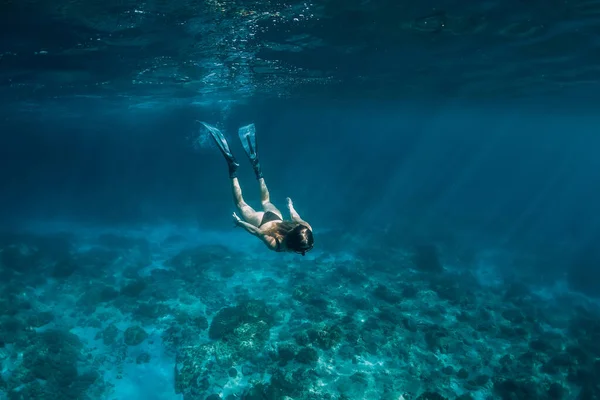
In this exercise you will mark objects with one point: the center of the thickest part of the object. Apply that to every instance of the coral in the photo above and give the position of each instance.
(353, 386)
(518, 388)
(307, 355)
(96, 295)
(150, 311)
(52, 357)
(40, 319)
(325, 336)
(366, 328)
(431, 396)
(143, 358)
(384, 293)
(291, 384)
(285, 354)
(199, 258)
(191, 375)
(134, 335)
(134, 288)
(64, 268)
(228, 320)
(10, 328)
(108, 335)
(426, 258)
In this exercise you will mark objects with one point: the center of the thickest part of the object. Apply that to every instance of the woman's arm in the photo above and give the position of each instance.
(269, 240)
(294, 214)
(249, 228)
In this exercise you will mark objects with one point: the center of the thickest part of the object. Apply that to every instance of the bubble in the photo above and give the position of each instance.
(200, 139)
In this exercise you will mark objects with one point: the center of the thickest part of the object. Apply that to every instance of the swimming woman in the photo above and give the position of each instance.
(294, 235)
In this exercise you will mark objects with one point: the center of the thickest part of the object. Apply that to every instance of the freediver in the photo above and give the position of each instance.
(294, 235)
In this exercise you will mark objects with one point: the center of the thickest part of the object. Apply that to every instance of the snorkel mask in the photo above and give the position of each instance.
(303, 251)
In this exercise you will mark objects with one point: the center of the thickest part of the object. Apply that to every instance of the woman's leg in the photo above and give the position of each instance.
(248, 213)
(247, 136)
(265, 198)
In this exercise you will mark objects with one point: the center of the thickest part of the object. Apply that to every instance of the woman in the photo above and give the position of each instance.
(280, 235)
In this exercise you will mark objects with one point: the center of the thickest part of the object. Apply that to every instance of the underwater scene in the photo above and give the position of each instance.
(299, 200)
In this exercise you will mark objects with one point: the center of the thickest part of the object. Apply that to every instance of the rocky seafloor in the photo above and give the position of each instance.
(126, 316)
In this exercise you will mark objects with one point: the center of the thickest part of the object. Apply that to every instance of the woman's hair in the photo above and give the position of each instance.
(296, 236)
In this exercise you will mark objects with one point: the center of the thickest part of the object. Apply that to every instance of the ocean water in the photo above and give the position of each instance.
(445, 154)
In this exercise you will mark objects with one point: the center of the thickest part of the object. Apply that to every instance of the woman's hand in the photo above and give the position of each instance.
(290, 204)
(236, 220)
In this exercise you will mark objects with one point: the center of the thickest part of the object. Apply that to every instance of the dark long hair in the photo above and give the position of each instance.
(296, 236)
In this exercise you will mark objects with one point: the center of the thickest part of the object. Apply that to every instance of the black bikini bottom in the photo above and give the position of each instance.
(269, 216)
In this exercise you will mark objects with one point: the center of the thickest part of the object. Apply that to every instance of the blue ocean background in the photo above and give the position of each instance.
(446, 155)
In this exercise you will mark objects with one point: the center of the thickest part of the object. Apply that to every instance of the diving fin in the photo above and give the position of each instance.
(247, 136)
(221, 142)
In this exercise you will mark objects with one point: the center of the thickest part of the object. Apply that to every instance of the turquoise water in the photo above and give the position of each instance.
(444, 153)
